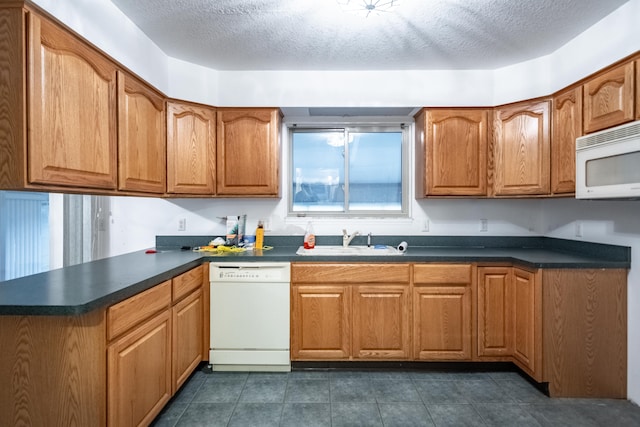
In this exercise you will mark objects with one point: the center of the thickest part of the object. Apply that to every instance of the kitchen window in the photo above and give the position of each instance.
(348, 171)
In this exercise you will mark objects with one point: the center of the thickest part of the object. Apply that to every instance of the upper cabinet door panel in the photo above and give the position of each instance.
(191, 149)
(609, 98)
(72, 115)
(141, 137)
(248, 152)
(567, 126)
(521, 157)
(456, 142)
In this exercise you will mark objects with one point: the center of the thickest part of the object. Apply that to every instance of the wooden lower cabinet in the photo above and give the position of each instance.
(156, 342)
(187, 318)
(321, 322)
(495, 312)
(442, 312)
(381, 322)
(527, 312)
(139, 373)
(350, 311)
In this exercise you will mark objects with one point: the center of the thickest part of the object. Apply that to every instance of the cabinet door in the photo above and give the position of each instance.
(248, 150)
(139, 373)
(321, 322)
(455, 153)
(495, 311)
(567, 126)
(609, 98)
(637, 89)
(521, 152)
(381, 322)
(528, 322)
(191, 149)
(442, 322)
(187, 337)
(141, 137)
(72, 110)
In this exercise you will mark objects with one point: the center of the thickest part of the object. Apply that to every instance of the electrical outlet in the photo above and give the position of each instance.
(425, 225)
(484, 225)
(182, 224)
(267, 224)
(578, 228)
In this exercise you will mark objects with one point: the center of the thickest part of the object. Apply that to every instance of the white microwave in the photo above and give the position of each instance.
(608, 163)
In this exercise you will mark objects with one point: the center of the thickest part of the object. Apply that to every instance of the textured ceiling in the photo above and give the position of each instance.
(318, 35)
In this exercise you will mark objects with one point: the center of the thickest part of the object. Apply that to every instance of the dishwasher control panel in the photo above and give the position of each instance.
(249, 272)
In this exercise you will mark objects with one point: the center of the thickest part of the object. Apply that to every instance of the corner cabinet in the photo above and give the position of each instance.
(451, 152)
(191, 149)
(521, 159)
(141, 137)
(72, 116)
(442, 311)
(248, 152)
(609, 98)
(350, 311)
(566, 123)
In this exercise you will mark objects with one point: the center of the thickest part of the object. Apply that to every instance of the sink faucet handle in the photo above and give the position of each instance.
(344, 232)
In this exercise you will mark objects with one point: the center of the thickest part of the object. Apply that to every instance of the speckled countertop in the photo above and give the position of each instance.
(85, 287)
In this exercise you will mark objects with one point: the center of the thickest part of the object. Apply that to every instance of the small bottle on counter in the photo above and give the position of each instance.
(309, 237)
(259, 236)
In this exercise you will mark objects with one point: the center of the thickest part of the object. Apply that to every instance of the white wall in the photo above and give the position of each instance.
(137, 221)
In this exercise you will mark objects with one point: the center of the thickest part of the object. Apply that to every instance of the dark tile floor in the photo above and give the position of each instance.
(382, 398)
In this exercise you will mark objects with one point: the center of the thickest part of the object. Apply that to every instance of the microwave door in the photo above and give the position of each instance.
(609, 170)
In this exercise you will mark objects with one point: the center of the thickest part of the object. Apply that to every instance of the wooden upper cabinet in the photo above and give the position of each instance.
(141, 137)
(248, 152)
(451, 155)
(609, 98)
(521, 149)
(72, 110)
(191, 149)
(567, 126)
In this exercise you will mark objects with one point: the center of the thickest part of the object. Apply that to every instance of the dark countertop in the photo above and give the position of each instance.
(85, 287)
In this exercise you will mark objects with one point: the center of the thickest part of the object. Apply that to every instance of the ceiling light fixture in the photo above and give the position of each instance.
(367, 7)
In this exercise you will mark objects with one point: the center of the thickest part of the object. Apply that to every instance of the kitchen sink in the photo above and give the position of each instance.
(328, 250)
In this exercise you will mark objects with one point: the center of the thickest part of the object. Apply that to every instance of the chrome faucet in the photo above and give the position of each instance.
(346, 238)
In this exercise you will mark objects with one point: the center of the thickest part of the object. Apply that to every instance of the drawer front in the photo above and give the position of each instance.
(130, 312)
(437, 274)
(349, 273)
(186, 283)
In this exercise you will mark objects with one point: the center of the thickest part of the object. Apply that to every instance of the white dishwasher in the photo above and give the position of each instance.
(250, 316)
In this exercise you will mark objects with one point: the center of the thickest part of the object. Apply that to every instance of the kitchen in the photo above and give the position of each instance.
(135, 221)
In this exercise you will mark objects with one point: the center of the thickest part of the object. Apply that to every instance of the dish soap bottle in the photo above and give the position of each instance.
(309, 237)
(259, 236)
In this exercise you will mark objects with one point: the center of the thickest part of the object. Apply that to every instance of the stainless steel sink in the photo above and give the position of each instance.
(328, 250)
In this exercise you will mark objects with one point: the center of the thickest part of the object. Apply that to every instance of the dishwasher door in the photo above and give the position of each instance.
(250, 315)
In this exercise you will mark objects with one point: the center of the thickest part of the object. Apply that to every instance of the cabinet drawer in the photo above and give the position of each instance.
(436, 274)
(132, 311)
(185, 283)
(349, 273)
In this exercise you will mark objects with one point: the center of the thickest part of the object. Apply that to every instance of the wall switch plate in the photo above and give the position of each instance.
(484, 225)
(578, 228)
(182, 224)
(425, 225)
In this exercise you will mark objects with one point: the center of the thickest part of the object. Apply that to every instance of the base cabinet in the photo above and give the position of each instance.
(321, 322)
(381, 322)
(139, 373)
(442, 312)
(527, 347)
(156, 342)
(350, 311)
(495, 312)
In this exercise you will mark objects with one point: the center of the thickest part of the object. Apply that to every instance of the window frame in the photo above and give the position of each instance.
(361, 126)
